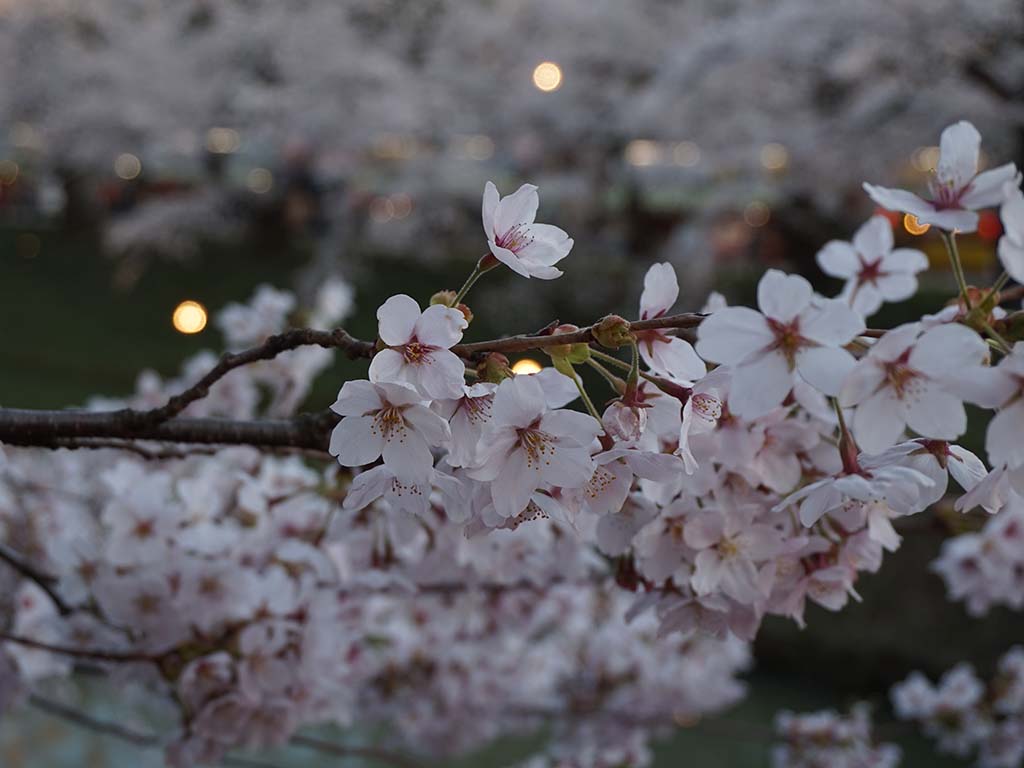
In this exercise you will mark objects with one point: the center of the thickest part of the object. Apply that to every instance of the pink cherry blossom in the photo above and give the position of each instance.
(527, 248)
(1011, 244)
(418, 345)
(957, 190)
(874, 272)
(792, 334)
(908, 379)
(388, 420)
(663, 352)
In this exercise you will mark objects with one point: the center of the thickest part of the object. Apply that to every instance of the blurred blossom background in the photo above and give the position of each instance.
(159, 159)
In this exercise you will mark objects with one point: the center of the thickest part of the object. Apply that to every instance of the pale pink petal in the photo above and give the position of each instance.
(703, 530)
(959, 146)
(568, 467)
(518, 401)
(782, 297)
(434, 429)
(878, 421)
(1003, 440)
(1012, 257)
(581, 428)
(732, 333)
(355, 441)
(832, 322)
(933, 412)
(759, 384)
(951, 219)
(874, 238)
(966, 468)
(707, 573)
(905, 260)
(440, 326)
(407, 454)
(661, 289)
(867, 299)
(678, 359)
(396, 319)
(512, 488)
(897, 286)
(518, 208)
(490, 205)
(838, 259)
(509, 259)
(824, 368)
(387, 366)
(357, 398)
(948, 348)
(441, 374)
(987, 189)
(899, 200)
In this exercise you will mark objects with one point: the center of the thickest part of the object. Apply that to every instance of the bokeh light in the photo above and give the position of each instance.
(222, 141)
(259, 180)
(774, 157)
(913, 226)
(756, 214)
(127, 166)
(525, 366)
(642, 152)
(189, 317)
(547, 76)
(686, 154)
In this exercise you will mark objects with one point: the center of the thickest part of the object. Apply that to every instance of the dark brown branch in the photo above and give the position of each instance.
(582, 336)
(44, 581)
(78, 653)
(49, 428)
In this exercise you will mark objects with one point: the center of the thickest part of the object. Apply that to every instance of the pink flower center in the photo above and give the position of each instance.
(416, 353)
(389, 423)
(899, 375)
(870, 271)
(788, 340)
(517, 238)
(707, 406)
(477, 409)
(945, 195)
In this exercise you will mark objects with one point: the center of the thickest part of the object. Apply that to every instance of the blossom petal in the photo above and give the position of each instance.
(732, 333)
(899, 200)
(825, 368)
(782, 297)
(874, 238)
(832, 322)
(959, 146)
(396, 319)
(933, 412)
(838, 259)
(355, 441)
(512, 488)
(987, 189)
(759, 384)
(518, 208)
(661, 289)
(357, 398)
(387, 366)
(948, 349)
(440, 326)
(878, 421)
(490, 205)
(1003, 440)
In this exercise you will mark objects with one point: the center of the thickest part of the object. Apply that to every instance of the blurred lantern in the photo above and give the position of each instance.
(189, 317)
(989, 227)
(547, 76)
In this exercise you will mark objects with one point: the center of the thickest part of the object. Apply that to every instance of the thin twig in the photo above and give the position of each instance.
(44, 581)
(80, 653)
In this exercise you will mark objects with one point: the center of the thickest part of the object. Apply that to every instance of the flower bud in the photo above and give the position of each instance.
(494, 368)
(612, 331)
(569, 353)
(444, 298)
(466, 312)
(624, 422)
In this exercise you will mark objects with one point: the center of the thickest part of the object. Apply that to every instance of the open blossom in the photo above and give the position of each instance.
(957, 190)
(418, 347)
(1011, 244)
(907, 379)
(729, 553)
(388, 420)
(663, 352)
(467, 416)
(791, 334)
(874, 272)
(526, 445)
(527, 248)
(826, 738)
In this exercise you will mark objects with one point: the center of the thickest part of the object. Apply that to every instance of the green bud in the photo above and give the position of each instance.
(444, 298)
(613, 332)
(494, 368)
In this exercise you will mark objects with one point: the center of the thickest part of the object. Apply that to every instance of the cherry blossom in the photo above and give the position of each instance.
(664, 353)
(1011, 244)
(527, 248)
(814, 739)
(418, 347)
(792, 334)
(874, 272)
(527, 445)
(957, 189)
(388, 420)
(909, 378)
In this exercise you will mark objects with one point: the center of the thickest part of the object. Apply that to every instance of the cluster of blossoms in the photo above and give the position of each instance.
(827, 739)
(481, 558)
(967, 716)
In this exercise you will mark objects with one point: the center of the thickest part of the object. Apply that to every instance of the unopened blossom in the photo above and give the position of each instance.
(908, 379)
(418, 346)
(663, 352)
(388, 420)
(792, 334)
(956, 190)
(624, 421)
(873, 271)
(938, 460)
(526, 445)
(515, 240)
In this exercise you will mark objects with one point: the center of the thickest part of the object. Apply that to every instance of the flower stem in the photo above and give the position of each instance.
(473, 277)
(1001, 344)
(586, 399)
(614, 381)
(634, 372)
(958, 269)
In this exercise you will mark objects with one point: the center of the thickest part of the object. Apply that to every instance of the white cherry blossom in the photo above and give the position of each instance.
(1011, 244)
(527, 248)
(874, 272)
(792, 334)
(908, 378)
(663, 352)
(418, 346)
(957, 190)
(388, 420)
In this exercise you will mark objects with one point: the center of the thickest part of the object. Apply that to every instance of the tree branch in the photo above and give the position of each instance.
(44, 581)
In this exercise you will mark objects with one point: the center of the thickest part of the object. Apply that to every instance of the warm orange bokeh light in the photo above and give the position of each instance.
(913, 226)
(189, 317)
